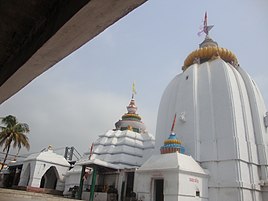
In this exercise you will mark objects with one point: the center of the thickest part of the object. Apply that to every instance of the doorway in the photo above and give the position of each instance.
(49, 179)
(159, 190)
(130, 183)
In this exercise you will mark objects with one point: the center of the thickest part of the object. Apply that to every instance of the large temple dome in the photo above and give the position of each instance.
(221, 120)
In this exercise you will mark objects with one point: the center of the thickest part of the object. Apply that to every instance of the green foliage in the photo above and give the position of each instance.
(11, 131)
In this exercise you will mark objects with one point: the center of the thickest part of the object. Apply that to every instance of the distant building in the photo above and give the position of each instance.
(44, 170)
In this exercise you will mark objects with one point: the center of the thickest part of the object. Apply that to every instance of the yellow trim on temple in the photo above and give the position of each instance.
(169, 141)
(210, 52)
(132, 115)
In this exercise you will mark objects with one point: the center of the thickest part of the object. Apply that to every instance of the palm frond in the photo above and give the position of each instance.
(3, 140)
(13, 132)
(21, 127)
(7, 144)
(9, 121)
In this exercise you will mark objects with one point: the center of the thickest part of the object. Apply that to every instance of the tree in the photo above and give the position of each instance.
(14, 132)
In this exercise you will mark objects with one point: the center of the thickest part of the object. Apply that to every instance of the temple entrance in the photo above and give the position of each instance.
(127, 193)
(159, 190)
(130, 184)
(49, 179)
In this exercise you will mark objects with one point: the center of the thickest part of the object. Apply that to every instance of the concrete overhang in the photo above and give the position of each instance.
(36, 34)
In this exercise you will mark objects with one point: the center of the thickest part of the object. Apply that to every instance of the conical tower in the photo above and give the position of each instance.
(221, 122)
(128, 145)
(172, 144)
(131, 120)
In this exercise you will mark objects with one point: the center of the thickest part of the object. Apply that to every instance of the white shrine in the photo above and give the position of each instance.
(44, 170)
(114, 157)
(171, 176)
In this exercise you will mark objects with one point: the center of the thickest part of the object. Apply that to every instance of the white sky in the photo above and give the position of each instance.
(86, 93)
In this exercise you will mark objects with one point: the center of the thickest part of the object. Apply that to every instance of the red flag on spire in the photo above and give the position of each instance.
(206, 19)
(205, 29)
(206, 24)
(91, 151)
(173, 124)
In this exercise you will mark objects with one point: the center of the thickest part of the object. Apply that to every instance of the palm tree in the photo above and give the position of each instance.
(15, 132)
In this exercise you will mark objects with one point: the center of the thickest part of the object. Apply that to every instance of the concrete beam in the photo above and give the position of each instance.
(89, 21)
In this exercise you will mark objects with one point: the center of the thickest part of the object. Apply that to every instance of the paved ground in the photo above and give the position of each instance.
(17, 195)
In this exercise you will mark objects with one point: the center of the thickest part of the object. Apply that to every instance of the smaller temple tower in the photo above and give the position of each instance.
(171, 175)
(128, 145)
(131, 120)
(113, 157)
(172, 144)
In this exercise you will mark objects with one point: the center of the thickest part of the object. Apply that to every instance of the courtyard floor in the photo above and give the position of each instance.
(17, 195)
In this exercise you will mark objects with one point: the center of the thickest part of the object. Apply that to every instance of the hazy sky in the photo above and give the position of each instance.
(86, 93)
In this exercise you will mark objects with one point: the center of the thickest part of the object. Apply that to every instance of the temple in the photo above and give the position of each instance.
(172, 175)
(113, 158)
(221, 123)
(216, 149)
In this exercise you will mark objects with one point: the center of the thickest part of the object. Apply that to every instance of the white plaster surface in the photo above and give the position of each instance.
(114, 149)
(223, 127)
(127, 149)
(182, 177)
(36, 165)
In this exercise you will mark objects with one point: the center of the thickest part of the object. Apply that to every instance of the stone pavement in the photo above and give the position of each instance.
(17, 195)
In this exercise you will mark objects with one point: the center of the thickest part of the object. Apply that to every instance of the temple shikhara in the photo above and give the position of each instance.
(113, 159)
(221, 123)
(211, 141)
